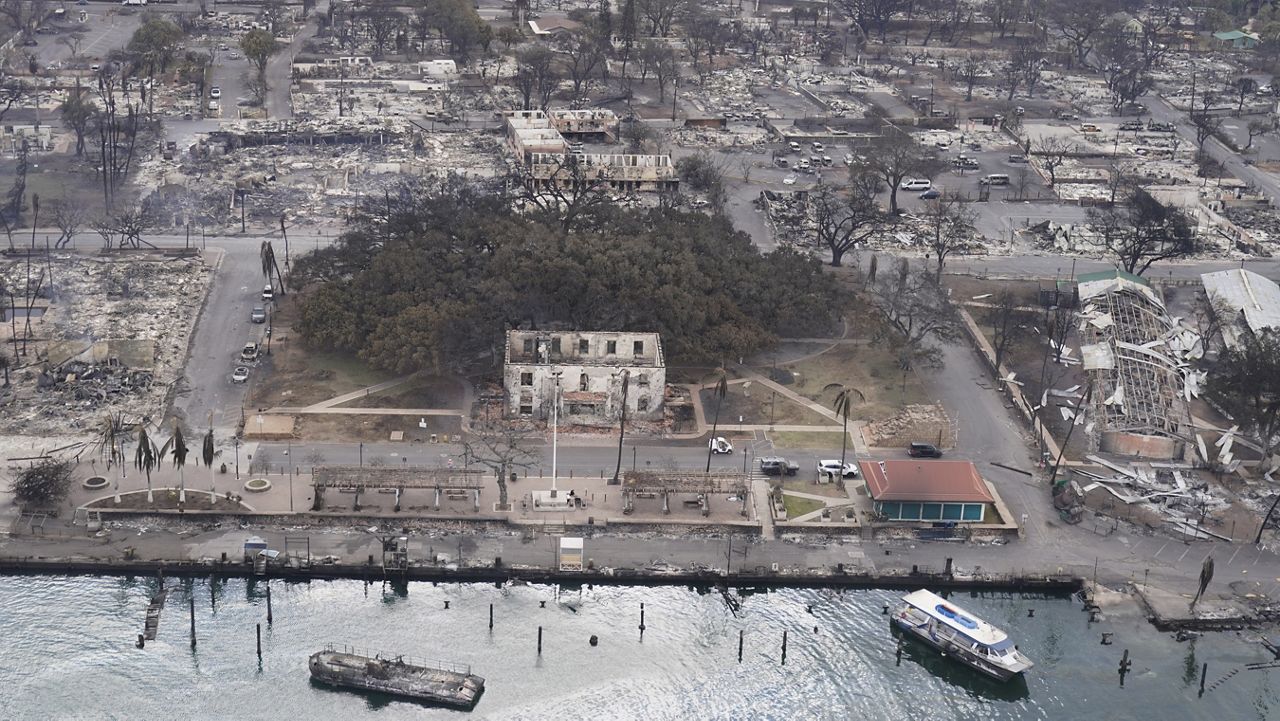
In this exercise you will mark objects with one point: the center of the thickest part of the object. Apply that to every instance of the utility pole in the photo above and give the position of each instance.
(555, 428)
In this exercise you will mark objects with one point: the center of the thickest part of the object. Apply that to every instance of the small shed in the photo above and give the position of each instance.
(571, 554)
(929, 491)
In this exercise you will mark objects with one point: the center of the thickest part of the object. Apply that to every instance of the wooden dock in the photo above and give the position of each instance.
(153, 615)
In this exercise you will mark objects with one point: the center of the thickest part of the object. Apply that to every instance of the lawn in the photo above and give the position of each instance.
(870, 368)
(757, 405)
(806, 439)
(797, 507)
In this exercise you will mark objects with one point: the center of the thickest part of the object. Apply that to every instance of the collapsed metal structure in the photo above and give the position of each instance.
(663, 483)
(358, 479)
(1135, 355)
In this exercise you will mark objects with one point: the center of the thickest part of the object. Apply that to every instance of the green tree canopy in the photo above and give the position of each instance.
(431, 277)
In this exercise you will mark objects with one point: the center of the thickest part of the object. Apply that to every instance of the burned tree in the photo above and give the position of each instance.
(1245, 380)
(1142, 231)
(894, 156)
(1053, 152)
(948, 226)
(43, 484)
(844, 220)
(1007, 323)
(916, 313)
(501, 449)
(117, 135)
(564, 188)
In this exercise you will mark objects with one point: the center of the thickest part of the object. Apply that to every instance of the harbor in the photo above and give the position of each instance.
(662, 653)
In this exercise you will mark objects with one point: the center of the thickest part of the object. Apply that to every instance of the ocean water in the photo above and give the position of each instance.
(67, 651)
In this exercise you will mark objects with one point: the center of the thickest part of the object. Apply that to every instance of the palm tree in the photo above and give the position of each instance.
(111, 441)
(147, 457)
(622, 424)
(206, 454)
(179, 452)
(4, 365)
(721, 390)
(843, 405)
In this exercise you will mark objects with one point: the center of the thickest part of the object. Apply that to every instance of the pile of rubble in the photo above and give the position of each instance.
(913, 424)
(113, 338)
(1173, 491)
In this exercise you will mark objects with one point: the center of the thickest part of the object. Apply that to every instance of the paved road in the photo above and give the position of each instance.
(1265, 182)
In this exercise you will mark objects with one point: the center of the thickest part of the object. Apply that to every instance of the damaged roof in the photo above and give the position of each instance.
(1256, 297)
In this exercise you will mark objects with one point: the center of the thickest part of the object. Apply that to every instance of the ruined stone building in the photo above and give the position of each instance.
(541, 142)
(590, 368)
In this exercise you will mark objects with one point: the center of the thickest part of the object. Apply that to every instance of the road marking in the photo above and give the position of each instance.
(1233, 556)
(1184, 554)
(1161, 549)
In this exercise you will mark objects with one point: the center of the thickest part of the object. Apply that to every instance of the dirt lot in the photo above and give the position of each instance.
(758, 405)
(423, 392)
(348, 428)
(295, 376)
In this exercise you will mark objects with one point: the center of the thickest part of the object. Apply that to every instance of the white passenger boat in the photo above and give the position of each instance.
(960, 635)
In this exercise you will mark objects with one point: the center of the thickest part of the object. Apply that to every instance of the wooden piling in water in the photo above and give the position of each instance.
(784, 648)
(539, 640)
(1204, 671)
(491, 617)
(269, 619)
(740, 633)
(192, 600)
(642, 619)
(259, 626)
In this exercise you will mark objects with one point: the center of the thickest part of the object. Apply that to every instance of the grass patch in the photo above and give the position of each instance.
(797, 507)
(801, 485)
(872, 369)
(425, 392)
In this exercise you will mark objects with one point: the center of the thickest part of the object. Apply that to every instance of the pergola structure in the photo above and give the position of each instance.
(663, 483)
(359, 479)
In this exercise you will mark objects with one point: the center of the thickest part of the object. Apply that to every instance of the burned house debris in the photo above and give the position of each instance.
(538, 140)
(587, 370)
(1255, 300)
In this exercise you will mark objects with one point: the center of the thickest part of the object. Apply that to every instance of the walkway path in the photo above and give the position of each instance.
(760, 499)
(361, 393)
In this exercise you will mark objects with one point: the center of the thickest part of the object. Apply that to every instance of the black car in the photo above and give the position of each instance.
(924, 450)
(775, 466)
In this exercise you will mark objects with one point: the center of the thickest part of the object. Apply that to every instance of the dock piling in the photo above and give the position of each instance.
(269, 617)
(1125, 665)
(259, 627)
(491, 617)
(1204, 671)
(740, 634)
(539, 640)
(192, 600)
(642, 619)
(784, 648)
(899, 652)
(142, 641)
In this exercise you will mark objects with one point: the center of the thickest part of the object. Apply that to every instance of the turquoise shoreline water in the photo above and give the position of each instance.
(67, 652)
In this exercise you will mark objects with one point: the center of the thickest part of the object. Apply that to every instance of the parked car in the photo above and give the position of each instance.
(1155, 127)
(249, 352)
(931, 194)
(995, 179)
(1089, 128)
(923, 450)
(1017, 158)
(258, 314)
(915, 184)
(817, 146)
(778, 466)
(789, 180)
(795, 147)
(1131, 125)
(268, 293)
(240, 374)
(719, 445)
(848, 470)
(215, 92)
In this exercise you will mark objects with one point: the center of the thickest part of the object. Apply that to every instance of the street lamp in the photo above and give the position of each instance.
(237, 458)
(555, 428)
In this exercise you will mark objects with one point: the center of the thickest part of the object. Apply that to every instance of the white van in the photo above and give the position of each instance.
(133, 2)
(915, 184)
(995, 179)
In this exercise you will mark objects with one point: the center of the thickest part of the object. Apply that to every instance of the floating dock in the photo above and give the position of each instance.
(397, 675)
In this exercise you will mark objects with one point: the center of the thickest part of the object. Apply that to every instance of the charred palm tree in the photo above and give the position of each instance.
(110, 442)
(178, 449)
(843, 406)
(147, 457)
(206, 453)
(721, 390)
(622, 425)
